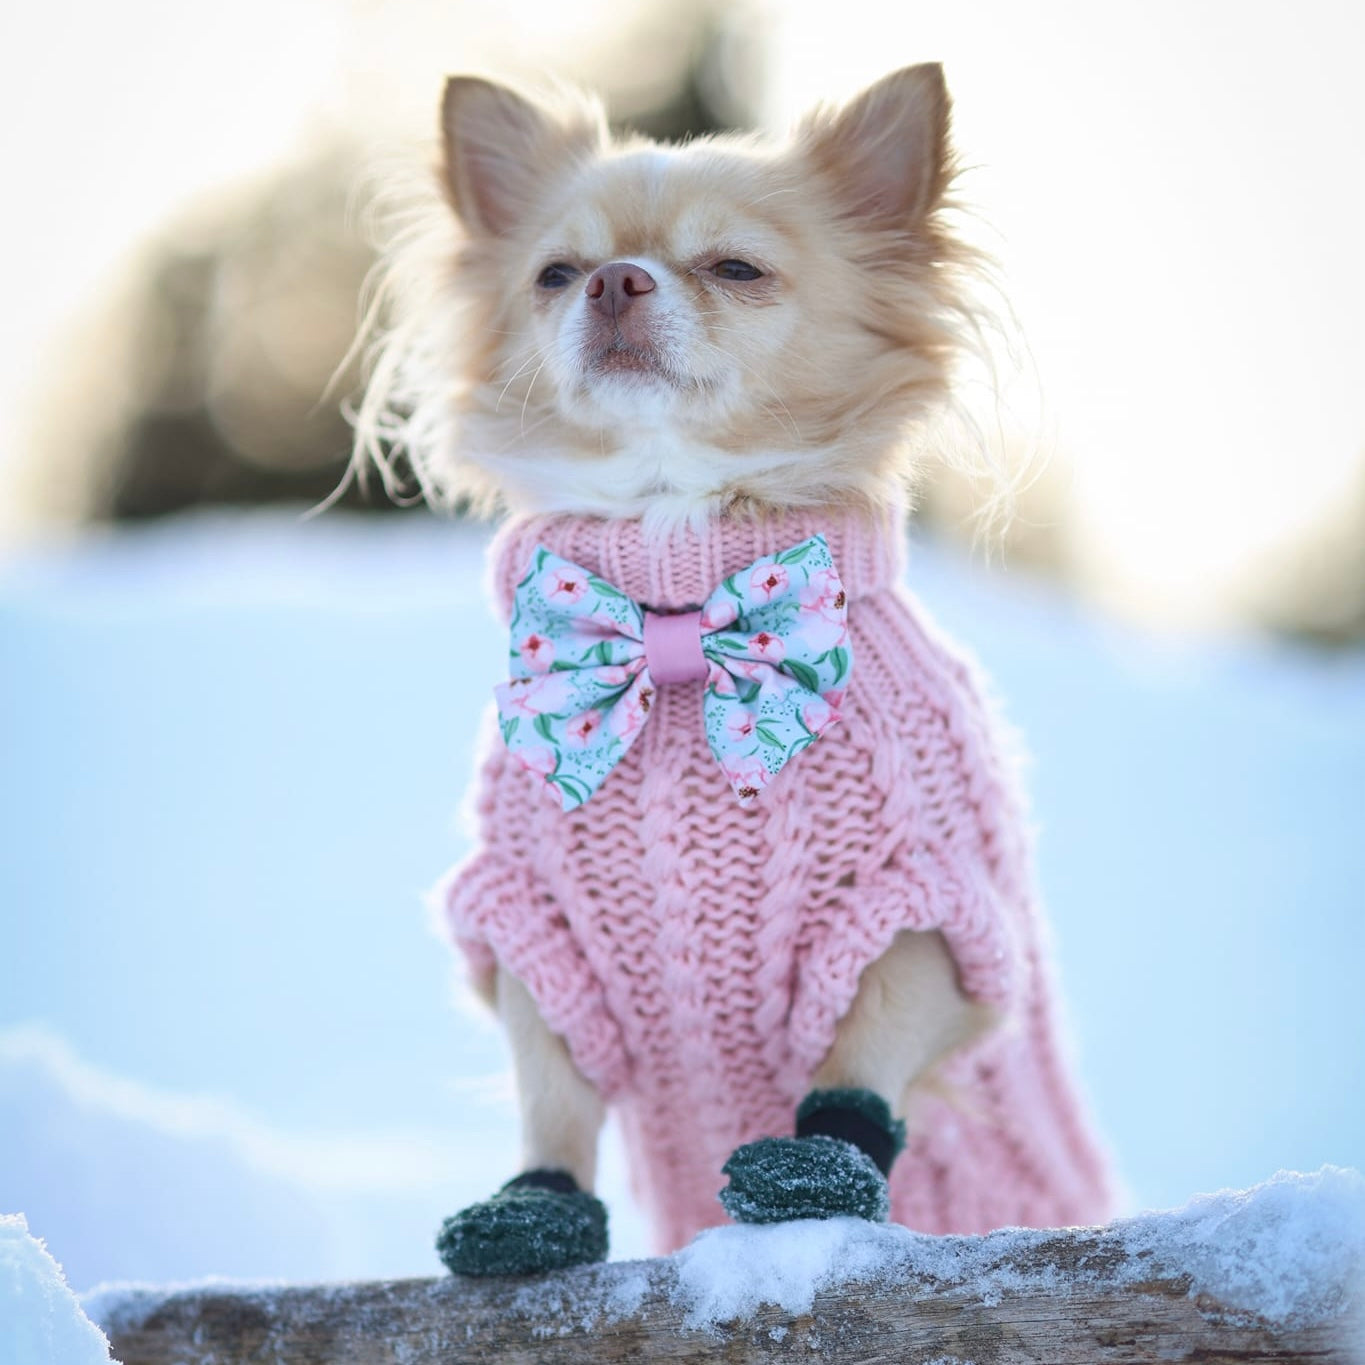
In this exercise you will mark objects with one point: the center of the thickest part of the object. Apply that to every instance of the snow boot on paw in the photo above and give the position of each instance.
(537, 1222)
(777, 1179)
(861, 1117)
(835, 1167)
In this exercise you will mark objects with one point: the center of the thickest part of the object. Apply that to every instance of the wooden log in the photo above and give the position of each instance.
(1081, 1296)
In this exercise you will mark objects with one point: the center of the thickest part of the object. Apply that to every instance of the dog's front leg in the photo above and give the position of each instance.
(546, 1218)
(908, 1015)
(561, 1114)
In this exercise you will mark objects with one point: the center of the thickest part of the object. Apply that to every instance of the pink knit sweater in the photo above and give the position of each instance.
(696, 955)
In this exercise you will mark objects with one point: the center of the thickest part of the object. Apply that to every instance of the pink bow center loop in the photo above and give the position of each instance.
(673, 650)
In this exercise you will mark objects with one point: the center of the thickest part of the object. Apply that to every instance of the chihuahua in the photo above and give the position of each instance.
(751, 868)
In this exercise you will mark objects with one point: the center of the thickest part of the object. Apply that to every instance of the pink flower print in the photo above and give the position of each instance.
(600, 619)
(825, 594)
(768, 581)
(564, 587)
(718, 615)
(538, 759)
(537, 652)
(527, 696)
(722, 684)
(835, 697)
(614, 675)
(747, 776)
(626, 718)
(740, 726)
(768, 647)
(824, 622)
(818, 715)
(582, 728)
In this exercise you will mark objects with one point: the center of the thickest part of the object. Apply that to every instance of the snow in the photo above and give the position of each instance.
(232, 749)
(1290, 1251)
(119, 1306)
(727, 1273)
(41, 1322)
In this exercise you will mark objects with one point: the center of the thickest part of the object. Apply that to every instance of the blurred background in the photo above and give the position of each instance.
(232, 742)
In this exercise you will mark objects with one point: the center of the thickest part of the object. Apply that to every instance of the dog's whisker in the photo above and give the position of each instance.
(529, 387)
(538, 354)
(519, 356)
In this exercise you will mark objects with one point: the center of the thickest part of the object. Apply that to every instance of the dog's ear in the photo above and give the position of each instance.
(501, 148)
(886, 152)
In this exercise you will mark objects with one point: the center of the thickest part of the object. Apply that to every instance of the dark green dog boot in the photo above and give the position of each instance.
(835, 1167)
(861, 1117)
(540, 1221)
(777, 1179)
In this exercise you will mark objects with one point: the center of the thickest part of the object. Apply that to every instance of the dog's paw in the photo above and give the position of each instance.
(777, 1179)
(529, 1227)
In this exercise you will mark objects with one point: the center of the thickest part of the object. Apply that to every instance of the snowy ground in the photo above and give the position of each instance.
(230, 756)
(1291, 1250)
(41, 1323)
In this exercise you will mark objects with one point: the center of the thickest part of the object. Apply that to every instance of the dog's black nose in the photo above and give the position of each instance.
(611, 289)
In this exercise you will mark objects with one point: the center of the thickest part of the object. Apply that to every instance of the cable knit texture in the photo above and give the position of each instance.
(697, 955)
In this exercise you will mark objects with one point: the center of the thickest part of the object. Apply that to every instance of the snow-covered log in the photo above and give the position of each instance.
(1274, 1274)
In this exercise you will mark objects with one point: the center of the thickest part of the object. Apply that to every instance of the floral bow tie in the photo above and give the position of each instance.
(771, 644)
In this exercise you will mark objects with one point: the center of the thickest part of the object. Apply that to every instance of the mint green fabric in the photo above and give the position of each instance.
(775, 641)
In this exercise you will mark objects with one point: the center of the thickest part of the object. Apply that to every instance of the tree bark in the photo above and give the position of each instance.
(1092, 1312)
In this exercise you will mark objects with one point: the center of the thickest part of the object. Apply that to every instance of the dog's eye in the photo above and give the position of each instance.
(556, 275)
(735, 270)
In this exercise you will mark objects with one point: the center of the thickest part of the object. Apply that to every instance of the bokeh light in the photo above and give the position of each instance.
(1168, 192)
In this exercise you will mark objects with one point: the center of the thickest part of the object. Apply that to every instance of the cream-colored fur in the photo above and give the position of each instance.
(908, 1016)
(561, 1114)
(816, 383)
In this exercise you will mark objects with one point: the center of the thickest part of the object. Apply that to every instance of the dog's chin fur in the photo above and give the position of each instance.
(812, 384)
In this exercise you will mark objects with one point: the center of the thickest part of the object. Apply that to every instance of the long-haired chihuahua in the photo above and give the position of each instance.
(751, 868)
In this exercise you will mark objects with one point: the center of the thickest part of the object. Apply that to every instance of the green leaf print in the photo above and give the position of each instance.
(542, 724)
(768, 735)
(839, 658)
(747, 690)
(571, 787)
(604, 589)
(795, 555)
(509, 728)
(803, 673)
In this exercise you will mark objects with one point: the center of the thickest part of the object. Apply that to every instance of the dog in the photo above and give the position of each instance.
(752, 867)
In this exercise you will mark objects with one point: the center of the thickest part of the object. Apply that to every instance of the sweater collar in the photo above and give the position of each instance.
(677, 569)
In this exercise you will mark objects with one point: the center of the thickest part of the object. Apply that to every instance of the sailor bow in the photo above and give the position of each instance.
(771, 644)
